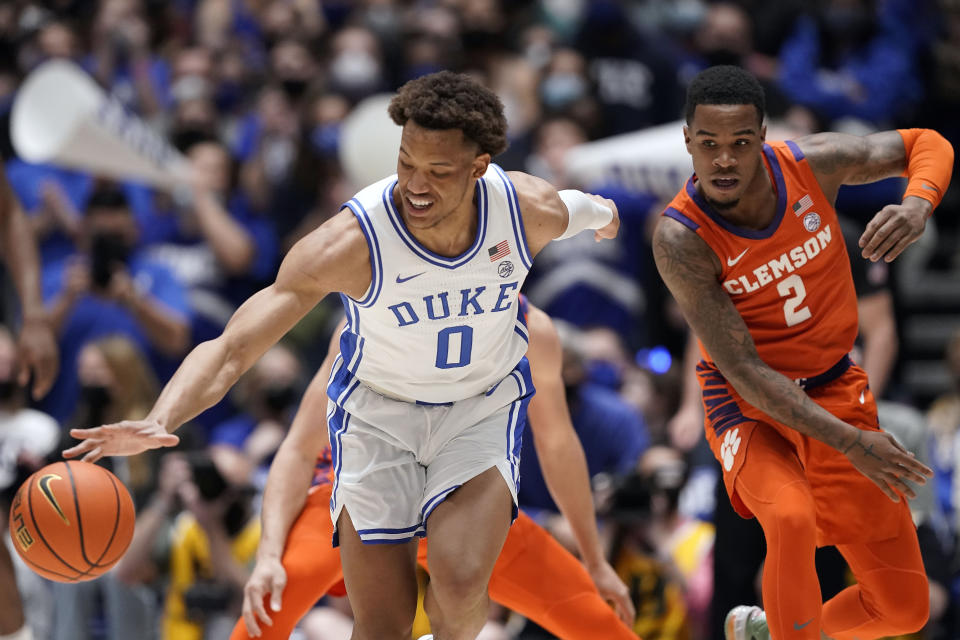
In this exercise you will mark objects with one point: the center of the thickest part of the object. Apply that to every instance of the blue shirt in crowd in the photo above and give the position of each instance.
(93, 317)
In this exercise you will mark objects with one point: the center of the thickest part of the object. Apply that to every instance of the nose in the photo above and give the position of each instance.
(417, 183)
(724, 160)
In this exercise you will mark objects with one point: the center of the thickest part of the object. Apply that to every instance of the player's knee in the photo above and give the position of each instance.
(903, 601)
(794, 512)
(462, 580)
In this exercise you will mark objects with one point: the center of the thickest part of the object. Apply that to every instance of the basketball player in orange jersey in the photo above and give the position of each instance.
(37, 352)
(752, 252)
(534, 575)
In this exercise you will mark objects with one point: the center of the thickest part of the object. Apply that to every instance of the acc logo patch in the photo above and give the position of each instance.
(505, 268)
(811, 221)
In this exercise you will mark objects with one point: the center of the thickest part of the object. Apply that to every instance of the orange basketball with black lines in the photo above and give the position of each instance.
(71, 521)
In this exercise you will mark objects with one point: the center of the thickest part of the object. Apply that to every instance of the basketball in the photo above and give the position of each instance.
(71, 521)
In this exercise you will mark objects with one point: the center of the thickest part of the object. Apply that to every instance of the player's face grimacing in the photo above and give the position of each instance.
(436, 170)
(725, 142)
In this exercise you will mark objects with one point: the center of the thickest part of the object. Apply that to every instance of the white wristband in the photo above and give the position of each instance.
(23, 633)
(583, 213)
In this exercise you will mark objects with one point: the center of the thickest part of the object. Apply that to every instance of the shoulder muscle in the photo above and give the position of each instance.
(332, 257)
(544, 214)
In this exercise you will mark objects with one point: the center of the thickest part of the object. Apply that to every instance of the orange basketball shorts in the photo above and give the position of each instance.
(849, 507)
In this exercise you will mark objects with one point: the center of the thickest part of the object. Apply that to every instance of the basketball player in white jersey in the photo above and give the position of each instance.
(429, 397)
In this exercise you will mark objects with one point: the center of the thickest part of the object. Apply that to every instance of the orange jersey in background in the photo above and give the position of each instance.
(790, 282)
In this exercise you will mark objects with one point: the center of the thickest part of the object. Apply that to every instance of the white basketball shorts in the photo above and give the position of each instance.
(395, 461)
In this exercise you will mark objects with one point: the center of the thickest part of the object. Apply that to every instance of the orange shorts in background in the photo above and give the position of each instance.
(533, 576)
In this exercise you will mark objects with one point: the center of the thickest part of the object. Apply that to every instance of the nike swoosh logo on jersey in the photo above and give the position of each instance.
(402, 280)
(733, 261)
(801, 626)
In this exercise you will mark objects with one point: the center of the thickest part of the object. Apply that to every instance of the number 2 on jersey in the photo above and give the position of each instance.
(792, 311)
(461, 334)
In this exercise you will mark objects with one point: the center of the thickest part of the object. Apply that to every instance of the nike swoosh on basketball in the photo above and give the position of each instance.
(733, 261)
(801, 626)
(44, 483)
(402, 280)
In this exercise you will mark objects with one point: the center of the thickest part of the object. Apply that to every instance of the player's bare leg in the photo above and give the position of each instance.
(466, 533)
(381, 581)
(11, 609)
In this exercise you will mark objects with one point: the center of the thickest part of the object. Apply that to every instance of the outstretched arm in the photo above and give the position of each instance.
(563, 462)
(332, 258)
(922, 155)
(689, 268)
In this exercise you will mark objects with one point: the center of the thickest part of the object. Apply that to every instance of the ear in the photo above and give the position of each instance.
(687, 140)
(763, 133)
(480, 164)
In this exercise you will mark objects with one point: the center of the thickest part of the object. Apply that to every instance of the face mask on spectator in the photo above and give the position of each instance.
(95, 396)
(190, 88)
(722, 55)
(95, 399)
(538, 54)
(325, 139)
(294, 87)
(280, 398)
(227, 96)
(605, 374)
(355, 70)
(561, 89)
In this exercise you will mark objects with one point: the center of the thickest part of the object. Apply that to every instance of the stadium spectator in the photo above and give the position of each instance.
(842, 62)
(107, 287)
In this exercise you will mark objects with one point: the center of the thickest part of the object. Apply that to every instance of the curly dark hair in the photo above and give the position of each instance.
(725, 84)
(447, 100)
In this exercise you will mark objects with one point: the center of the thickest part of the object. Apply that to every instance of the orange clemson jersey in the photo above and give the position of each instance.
(791, 281)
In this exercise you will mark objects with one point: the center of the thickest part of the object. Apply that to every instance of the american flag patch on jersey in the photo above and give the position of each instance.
(499, 250)
(802, 204)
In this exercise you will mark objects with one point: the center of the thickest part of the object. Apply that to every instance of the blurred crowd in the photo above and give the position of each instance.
(255, 93)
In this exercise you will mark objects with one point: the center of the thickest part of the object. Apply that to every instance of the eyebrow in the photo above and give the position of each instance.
(440, 163)
(742, 132)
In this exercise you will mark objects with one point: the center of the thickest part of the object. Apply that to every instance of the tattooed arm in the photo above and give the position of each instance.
(838, 159)
(690, 269)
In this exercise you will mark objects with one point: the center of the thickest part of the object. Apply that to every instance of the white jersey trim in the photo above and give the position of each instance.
(373, 245)
(516, 218)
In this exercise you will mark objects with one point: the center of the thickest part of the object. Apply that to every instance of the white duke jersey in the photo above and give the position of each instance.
(433, 329)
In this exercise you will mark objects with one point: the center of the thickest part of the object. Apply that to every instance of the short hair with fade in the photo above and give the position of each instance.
(447, 100)
(725, 84)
